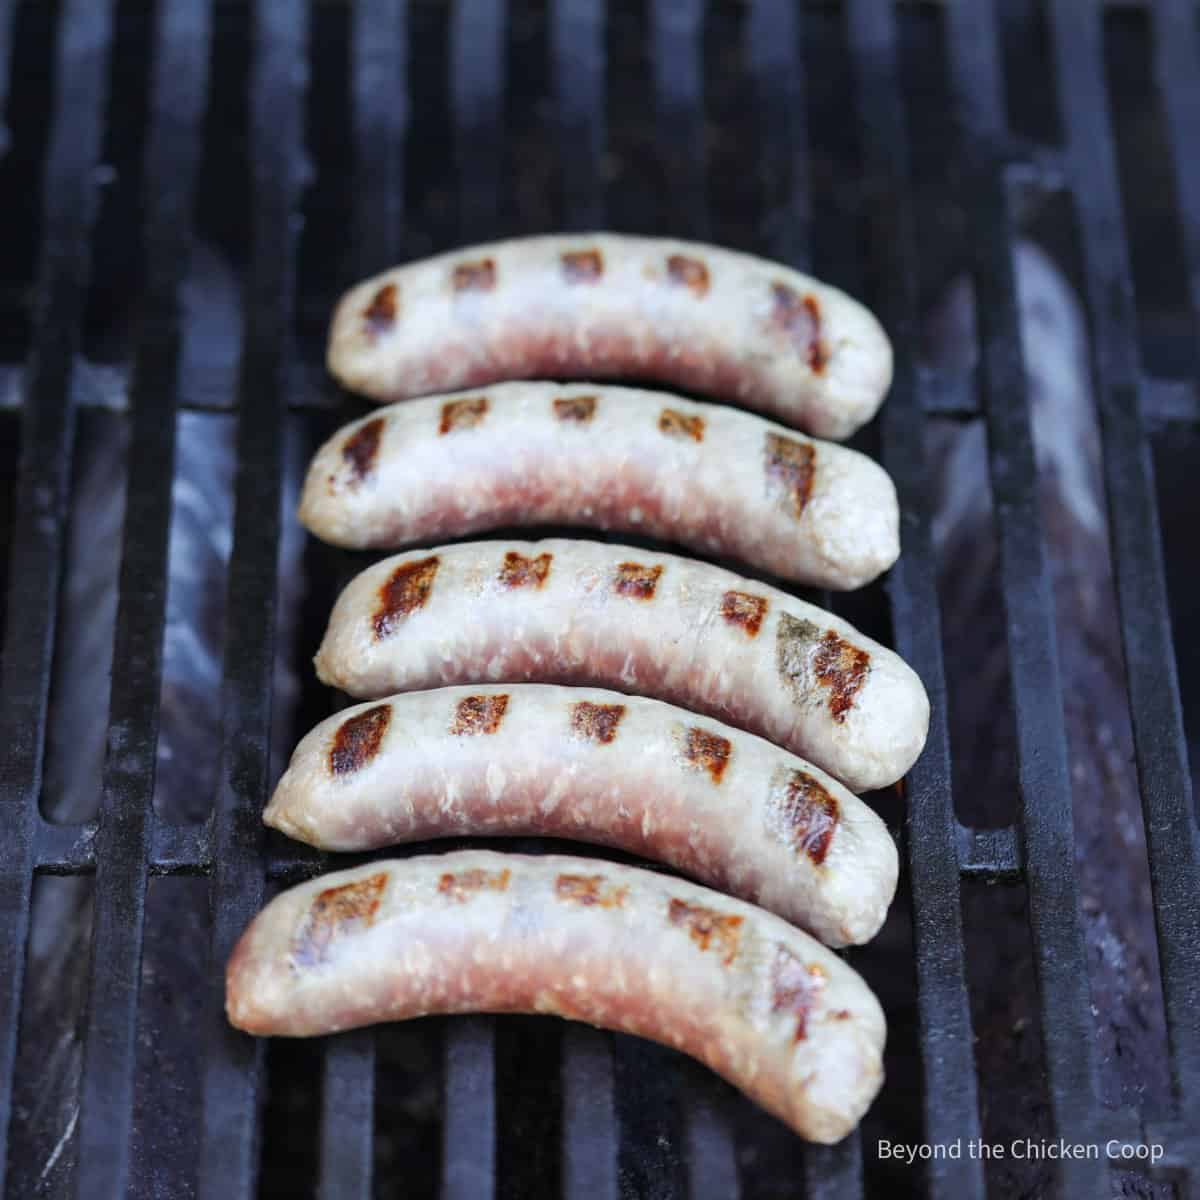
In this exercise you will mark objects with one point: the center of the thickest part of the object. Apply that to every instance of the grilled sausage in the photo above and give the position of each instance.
(581, 612)
(724, 806)
(712, 478)
(759, 1002)
(606, 305)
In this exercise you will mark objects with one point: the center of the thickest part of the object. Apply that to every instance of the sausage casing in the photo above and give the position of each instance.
(712, 478)
(759, 1002)
(579, 612)
(526, 759)
(614, 306)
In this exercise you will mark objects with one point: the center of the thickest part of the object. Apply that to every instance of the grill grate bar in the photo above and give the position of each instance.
(589, 1115)
(773, 33)
(1159, 747)
(950, 1095)
(348, 1117)
(469, 1109)
(233, 1065)
(1068, 1040)
(675, 31)
(379, 82)
(477, 90)
(35, 565)
(123, 836)
(577, 47)
(589, 1168)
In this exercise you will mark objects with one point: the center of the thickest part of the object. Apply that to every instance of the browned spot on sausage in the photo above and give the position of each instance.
(636, 580)
(462, 885)
(800, 318)
(801, 813)
(681, 425)
(835, 664)
(690, 273)
(744, 609)
(475, 276)
(842, 1014)
(462, 414)
(704, 751)
(596, 722)
(357, 740)
(706, 926)
(380, 314)
(795, 987)
(842, 668)
(335, 912)
(478, 714)
(575, 408)
(406, 590)
(361, 448)
(589, 890)
(518, 571)
(789, 465)
(582, 266)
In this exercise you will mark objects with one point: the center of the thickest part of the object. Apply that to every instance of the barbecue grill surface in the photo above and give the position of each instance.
(187, 187)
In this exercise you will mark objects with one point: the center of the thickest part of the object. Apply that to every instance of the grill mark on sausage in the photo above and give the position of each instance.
(406, 590)
(842, 668)
(361, 448)
(478, 714)
(596, 722)
(582, 266)
(477, 276)
(336, 912)
(690, 273)
(801, 813)
(707, 927)
(704, 751)
(681, 425)
(462, 885)
(517, 571)
(800, 318)
(358, 739)
(795, 986)
(380, 314)
(580, 409)
(636, 580)
(589, 890)
(835, 664)
(745, 610)
(790, 470)
(462, 414)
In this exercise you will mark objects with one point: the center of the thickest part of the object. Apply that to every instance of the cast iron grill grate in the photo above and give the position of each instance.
(624, 1126)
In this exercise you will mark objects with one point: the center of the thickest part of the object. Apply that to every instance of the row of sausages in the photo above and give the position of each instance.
(596, 691)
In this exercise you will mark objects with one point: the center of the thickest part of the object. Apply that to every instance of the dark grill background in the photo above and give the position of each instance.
(312, 143)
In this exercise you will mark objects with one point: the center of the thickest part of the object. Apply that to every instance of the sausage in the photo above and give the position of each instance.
(612, 306)
(759, 1002)
(712, 478)
(527, 759)
(578, 612)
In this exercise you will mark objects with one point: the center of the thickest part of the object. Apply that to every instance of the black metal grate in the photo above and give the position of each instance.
(626, 1126)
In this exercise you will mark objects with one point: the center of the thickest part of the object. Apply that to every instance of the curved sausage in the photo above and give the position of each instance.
(709, 477)
(576, 612)
(759, 1002)
(613, 306)
(526, 759)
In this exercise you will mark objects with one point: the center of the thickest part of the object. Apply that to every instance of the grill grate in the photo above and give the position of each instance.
(626, 1129)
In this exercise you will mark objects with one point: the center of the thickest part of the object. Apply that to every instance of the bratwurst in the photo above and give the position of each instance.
(613, 306)
(724, 806)
(757, 1001)
(577, 612)
(712, 478)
